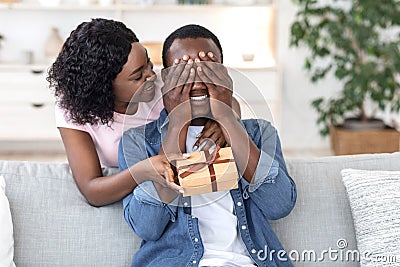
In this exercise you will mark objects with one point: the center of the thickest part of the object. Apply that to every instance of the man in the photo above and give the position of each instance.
(224, 228)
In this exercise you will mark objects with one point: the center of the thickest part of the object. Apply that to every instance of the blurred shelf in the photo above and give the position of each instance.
(27, 103)
(16, 67)
(249, 66)
(41, 67)
(127, 7)
(183, 8)
(33, 7)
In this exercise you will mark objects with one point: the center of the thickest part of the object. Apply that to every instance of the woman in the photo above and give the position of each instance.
(103, 80)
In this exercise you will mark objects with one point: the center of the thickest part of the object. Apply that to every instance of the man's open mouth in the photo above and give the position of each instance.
(198, 98)
(198, 95)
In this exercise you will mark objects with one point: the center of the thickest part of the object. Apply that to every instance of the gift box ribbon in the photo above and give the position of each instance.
(211, 159)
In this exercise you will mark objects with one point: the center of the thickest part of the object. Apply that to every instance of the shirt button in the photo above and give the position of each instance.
(194, 262)
(253, 251)
(239, 203)
(244, 227)
(196, 240)
(193, 217)
(185, 204)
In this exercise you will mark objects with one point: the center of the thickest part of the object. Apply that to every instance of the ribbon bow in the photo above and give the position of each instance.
(211, 159)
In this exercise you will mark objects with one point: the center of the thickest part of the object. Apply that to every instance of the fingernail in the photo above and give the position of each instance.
(202, 54)
(190, 61)
(210, 54)
(185, 57)
(197, 60)
(195, 147)
(186, 155)
(176, 61)
(199, 69)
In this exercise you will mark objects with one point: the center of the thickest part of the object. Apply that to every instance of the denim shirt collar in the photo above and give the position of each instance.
(162, 121)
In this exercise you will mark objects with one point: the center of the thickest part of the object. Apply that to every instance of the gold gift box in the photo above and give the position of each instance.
(205, 172)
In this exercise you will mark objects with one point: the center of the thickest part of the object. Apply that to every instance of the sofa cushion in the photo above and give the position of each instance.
(375, 204)
(55, 226)
(322, 216)
(6, 229)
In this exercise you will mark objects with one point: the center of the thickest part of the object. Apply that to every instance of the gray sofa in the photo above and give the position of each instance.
(54, 225)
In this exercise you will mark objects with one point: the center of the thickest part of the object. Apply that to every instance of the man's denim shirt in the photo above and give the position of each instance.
(171, 235)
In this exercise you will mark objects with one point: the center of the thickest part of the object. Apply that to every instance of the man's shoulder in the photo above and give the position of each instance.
(260, 129)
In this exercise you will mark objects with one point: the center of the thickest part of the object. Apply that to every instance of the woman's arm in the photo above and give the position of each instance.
(99, 190)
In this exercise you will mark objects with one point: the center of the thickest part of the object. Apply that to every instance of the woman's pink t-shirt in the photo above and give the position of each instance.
(106, 138)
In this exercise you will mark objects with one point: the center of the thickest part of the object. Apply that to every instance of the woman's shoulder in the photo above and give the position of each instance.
(63, 120)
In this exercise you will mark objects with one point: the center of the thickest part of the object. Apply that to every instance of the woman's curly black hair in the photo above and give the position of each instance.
(83, 72)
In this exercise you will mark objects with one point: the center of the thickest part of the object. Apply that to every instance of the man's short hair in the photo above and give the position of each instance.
(189, 31)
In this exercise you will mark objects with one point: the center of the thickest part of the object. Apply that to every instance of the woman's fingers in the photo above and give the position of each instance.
(207, 56)
(169, 173)
(175, 187)
(176, 156)
(169, 178)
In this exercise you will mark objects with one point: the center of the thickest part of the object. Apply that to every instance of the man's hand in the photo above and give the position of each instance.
(219, 85)
(178, 80)
(211, 134)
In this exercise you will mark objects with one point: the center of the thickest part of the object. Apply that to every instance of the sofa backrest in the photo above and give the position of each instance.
(55, 226)
(322, 217)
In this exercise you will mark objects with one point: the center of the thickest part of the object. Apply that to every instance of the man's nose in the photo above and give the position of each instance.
(149, 72)
(198, 85)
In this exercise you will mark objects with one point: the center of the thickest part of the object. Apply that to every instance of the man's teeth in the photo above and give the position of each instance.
(198, 98)
(148, 88)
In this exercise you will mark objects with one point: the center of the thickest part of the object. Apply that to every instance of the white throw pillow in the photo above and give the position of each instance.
(6, 229)
(375, 204)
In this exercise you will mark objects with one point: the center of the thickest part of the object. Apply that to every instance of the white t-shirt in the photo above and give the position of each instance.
(105, 138)
(222, 243)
